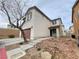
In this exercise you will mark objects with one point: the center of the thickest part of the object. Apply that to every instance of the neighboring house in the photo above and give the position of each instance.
(72, 32)
(57, 28)
(38, 25)
(8, 33)
(75, 18)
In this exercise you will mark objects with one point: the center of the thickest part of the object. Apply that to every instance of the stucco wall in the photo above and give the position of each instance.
(72, 30)
(41, 25)
(30, 24)
(62, 30)
(76, 19)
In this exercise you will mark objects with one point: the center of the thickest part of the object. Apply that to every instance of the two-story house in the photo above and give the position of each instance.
(71, 30)
(75, 18)
(57, 28)
(39, 25)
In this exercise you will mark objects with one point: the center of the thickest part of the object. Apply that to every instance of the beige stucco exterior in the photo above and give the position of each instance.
(30, 24)
(40, 25)
(59, 27)
(71, 29)
(75, 17)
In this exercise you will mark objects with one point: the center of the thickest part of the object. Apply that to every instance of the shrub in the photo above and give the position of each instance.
(21, 43)
(38, 49)
(11, 36)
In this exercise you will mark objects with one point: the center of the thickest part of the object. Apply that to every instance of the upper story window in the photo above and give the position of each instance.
(29, 16)
(54, 22)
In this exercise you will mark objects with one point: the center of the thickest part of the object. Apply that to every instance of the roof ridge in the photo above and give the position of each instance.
(35, 7)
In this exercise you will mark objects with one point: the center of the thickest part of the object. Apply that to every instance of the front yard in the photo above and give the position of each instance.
(63, 48)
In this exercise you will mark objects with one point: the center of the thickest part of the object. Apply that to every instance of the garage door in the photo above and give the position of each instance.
(27, 33)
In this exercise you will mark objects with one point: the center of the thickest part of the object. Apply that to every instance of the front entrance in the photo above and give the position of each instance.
(27, 33)
(53, 32)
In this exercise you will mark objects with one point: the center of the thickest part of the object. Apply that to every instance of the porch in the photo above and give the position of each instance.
(55, 31)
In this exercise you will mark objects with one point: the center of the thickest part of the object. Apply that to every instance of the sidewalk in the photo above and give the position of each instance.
(32, 43)
(11, 41)
(19, 52)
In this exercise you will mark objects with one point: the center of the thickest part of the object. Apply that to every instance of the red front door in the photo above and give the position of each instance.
(27, 33)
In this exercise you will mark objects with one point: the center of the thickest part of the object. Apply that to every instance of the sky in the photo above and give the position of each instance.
(58, 9)
(53, 9)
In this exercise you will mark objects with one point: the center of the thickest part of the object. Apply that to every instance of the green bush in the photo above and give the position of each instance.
(11, 36)
(21, 43)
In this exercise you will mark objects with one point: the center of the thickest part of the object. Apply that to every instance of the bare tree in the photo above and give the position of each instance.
(15, 12)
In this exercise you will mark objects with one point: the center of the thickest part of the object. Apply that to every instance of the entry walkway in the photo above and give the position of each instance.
(32, 43)
(19, 52)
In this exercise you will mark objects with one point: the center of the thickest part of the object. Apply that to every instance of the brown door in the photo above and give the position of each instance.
(27, 33)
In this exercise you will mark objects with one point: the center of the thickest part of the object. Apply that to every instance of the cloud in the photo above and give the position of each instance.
(58, 8)
(3, 20)
(53, 9)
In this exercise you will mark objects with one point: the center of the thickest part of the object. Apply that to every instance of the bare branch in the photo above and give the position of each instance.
(14, 9)
(3, 11)
(23, 22)
(19, 7)
(14, 14)
(7, 14)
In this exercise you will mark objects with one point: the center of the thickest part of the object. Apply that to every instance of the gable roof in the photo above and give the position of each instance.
(70, 27)
(35, 7)
(77, 1)
(57, 19)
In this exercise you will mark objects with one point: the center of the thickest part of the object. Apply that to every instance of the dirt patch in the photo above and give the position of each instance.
(58, 48)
